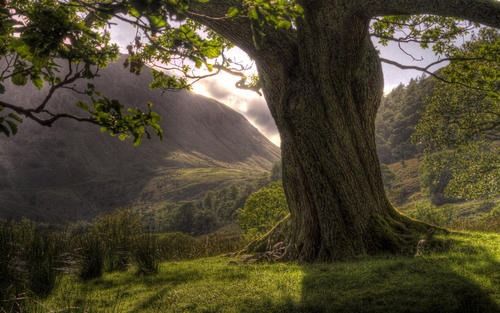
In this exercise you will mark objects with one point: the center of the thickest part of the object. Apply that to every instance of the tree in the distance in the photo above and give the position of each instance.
(460, 127)
(317, 68)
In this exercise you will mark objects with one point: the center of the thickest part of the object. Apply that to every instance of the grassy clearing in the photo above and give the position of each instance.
(463, 276)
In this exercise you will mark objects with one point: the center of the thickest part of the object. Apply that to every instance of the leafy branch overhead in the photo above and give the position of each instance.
(53, 44)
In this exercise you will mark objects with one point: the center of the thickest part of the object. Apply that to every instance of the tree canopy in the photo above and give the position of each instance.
(56, 43)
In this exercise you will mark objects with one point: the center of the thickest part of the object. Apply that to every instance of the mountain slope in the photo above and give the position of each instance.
(73, 171)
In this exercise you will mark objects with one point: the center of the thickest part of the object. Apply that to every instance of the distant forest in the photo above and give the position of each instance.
(398, 117)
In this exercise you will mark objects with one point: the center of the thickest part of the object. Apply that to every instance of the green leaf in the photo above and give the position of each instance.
(13, 127)
(2, 89)
(252, 13)
(19, 79)
(233, 12)
(15, 117)
(134, 12)
(5, 130)
(157, 21)
(38, 82)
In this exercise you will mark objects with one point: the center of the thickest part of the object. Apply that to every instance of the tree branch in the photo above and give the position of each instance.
(427, 70)
(239, 30)
(32, 115)
(486, 12)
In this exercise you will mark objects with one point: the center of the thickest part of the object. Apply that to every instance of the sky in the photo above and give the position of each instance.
(254, 107)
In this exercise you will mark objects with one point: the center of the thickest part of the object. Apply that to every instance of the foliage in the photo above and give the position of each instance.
(177, 246)
(263, 210)
(475, 64)
(54, 43)
(477, 215)
(397, 118)
(428, 31)
(425, 212)
(218, 208)
(460, 125)
(469, 172)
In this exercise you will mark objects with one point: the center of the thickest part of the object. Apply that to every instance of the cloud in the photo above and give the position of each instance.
(259, 114)
(252, 106)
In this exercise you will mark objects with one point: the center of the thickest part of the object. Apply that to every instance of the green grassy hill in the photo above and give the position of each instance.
(460, 276)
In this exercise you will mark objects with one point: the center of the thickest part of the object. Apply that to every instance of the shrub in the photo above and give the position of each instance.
(425, 212)
(177, 246)
(263, 210)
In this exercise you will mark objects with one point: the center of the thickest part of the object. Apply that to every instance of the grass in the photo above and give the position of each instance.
(462, 277)
(477, 215)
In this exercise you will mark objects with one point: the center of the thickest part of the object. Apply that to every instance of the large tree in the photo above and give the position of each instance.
(319, 71)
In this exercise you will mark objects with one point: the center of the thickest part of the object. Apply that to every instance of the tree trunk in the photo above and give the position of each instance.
(324, 98)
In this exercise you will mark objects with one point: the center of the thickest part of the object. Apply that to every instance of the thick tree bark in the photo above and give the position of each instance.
(323, 84)
(324, 101)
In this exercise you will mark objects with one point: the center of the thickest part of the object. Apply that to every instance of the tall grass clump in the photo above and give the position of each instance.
(28, 263)
(90, 256)
(41, 254)
(9, 277)
(117, 231)
(146, 254)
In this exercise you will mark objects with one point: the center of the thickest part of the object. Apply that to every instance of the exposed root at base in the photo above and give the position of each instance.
(397, 235)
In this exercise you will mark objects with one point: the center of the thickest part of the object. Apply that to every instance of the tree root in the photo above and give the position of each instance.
(271, 247)
(394, 235)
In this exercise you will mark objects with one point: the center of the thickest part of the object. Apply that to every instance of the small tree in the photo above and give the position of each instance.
(262, 210)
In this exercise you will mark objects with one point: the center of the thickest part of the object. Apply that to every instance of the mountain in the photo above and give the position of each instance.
(73, 171)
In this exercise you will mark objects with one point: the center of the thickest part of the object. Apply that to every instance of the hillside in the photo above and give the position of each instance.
(73, 171)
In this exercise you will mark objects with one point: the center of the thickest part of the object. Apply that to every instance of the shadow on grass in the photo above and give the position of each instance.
(171, 279)
(462, 278)
(434, 284)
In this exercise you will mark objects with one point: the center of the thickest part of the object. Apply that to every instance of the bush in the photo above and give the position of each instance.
(425, 212)
(263, 210)
(177, 246)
